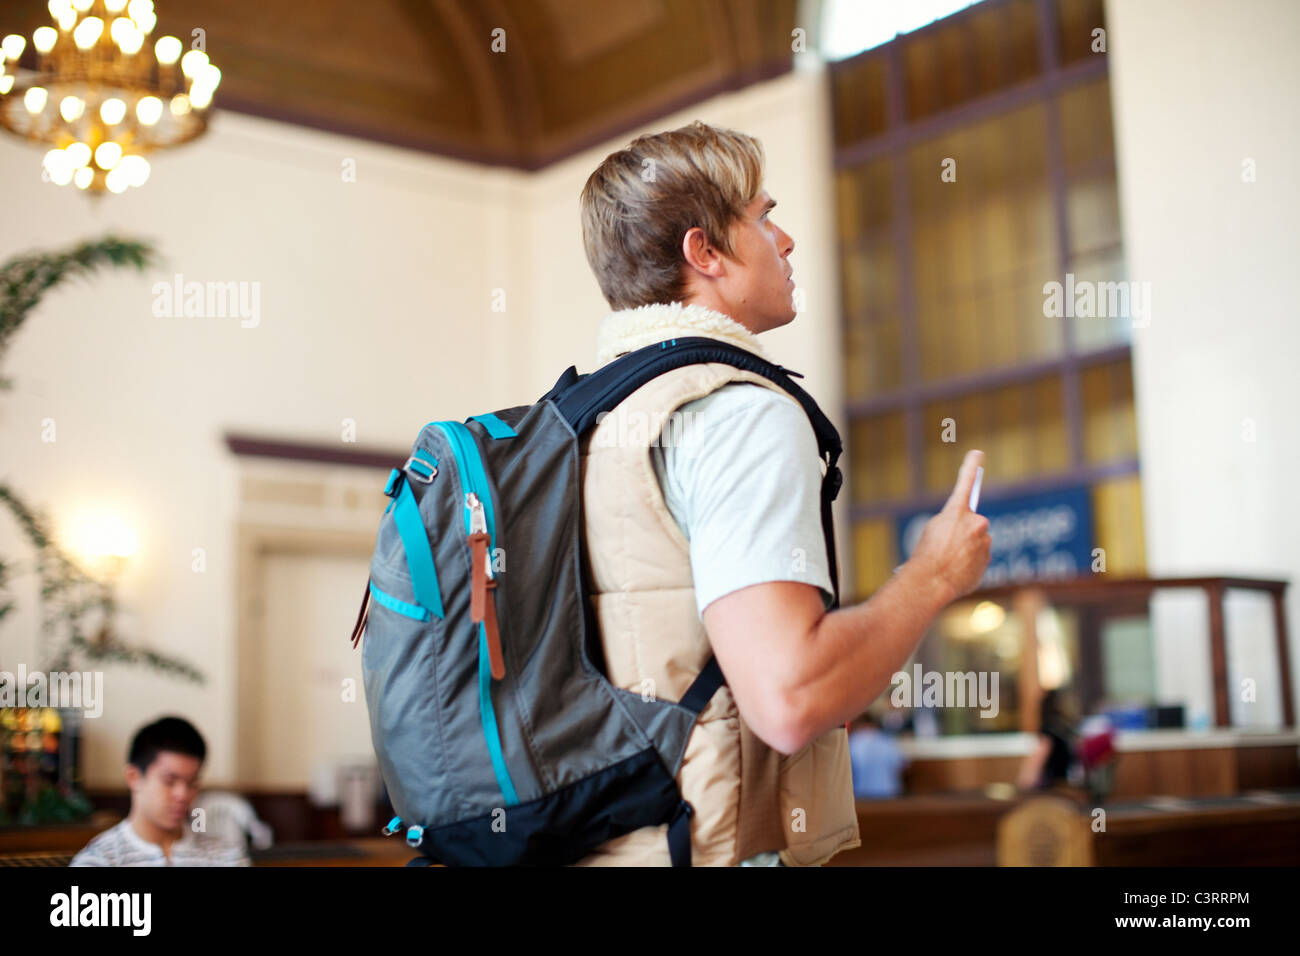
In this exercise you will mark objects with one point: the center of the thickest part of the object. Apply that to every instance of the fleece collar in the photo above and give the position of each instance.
(630, 329)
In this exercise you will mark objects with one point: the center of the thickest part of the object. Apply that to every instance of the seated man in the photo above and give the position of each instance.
(163, 774)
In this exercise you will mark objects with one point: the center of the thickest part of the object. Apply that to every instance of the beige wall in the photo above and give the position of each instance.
(1200, 87)
(376, 301)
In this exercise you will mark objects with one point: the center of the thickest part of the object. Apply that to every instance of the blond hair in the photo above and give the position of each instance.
(641, 201)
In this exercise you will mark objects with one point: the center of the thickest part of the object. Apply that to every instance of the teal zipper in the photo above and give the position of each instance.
(473, 479)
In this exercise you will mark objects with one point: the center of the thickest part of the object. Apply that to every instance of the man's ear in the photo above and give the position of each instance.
(133, 776)
(699, 254)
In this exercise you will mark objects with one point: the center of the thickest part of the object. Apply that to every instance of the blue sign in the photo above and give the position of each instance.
(1046, 535)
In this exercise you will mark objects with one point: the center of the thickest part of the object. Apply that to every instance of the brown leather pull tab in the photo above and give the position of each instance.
(478, 543)
(362, 617)
(496, 659)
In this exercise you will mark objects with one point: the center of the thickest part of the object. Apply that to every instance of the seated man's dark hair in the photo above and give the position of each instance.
(171, 734)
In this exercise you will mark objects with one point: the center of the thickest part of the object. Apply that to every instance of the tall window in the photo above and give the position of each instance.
(975, 164)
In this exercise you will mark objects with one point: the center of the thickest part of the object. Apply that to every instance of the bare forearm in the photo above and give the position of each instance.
(849, 658)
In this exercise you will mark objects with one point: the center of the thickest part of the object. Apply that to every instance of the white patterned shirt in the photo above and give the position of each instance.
(120, 845)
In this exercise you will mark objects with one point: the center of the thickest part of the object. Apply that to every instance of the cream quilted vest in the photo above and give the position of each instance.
(748, 798)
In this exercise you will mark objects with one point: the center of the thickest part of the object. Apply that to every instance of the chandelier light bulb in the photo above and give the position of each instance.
(146, 22)
(34, 99)
(116, 181)
(57, 7)
(193, 62)
(53, 159)
(87, 32)
(44, 39)
(108, 155)
(131, 40)
(135, 169)
(78, 154)
(121, 26)
(58, 167)
(71, 108)
(167, 49)
(141, 11)
(112, 111)
(67, 18)
(200, 97)
(209, 77)
(83, 177)
(6, 83)
(14, 44)
(83, 5)
(149, 110)
(180, 104)
(115, 6)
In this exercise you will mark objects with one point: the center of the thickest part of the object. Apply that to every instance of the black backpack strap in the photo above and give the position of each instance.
(703, 688)
(679, 835)
(566, 379)
(581, 398)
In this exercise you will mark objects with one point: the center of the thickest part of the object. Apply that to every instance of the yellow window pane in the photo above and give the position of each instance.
(1117, 525)
(989, 49)
(872, 355)
(1052, 446)
(874, 556)
(1087, 136)
(878, 456)
(869, 277)
(1092, 213)
(1076, 20)
(1013, 436)
(949, 333)
(994, 342)
(949, 428)
(865, 198)
(1109, 418)
(1038, 335)
(859, 100)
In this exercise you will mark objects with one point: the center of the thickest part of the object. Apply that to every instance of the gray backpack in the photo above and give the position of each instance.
(500, 739)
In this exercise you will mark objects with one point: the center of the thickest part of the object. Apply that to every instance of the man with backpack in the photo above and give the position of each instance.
(550, 582)
(717, 544)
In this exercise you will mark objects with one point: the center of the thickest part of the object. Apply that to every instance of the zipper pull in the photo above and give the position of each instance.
(481, 607)
(478, 542)
(477, 517)
(478, 525)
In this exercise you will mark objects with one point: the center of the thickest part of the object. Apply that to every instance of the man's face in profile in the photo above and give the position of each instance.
(763, 290)
(165, 792)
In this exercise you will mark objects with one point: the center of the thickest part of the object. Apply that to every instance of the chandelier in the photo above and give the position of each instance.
(100, 98)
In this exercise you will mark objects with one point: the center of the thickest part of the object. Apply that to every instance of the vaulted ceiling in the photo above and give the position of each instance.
(519, 83)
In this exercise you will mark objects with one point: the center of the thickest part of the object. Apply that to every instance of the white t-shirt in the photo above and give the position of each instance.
(741, 474)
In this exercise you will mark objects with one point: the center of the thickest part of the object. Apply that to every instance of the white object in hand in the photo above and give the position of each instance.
(975, 488)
